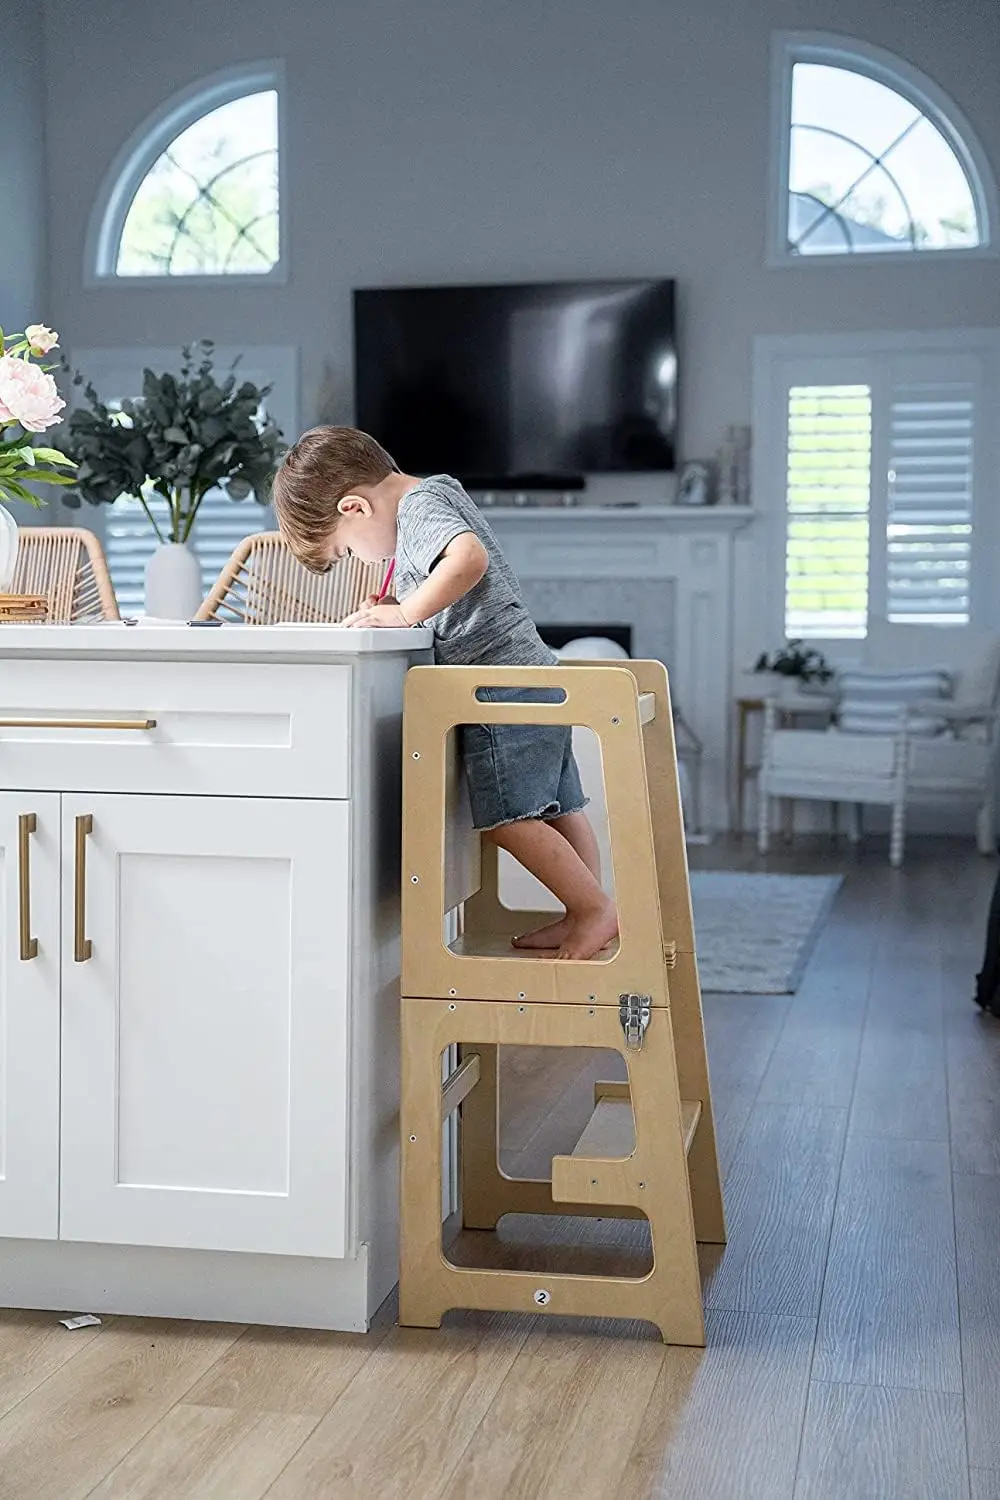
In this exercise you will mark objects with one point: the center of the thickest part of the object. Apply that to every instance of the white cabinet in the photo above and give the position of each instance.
(226, 729)
(199, 1060)
(204, 1023)
(29, 1015)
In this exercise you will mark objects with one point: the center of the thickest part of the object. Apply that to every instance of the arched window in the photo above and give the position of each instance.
(873, 158)
(195, 191)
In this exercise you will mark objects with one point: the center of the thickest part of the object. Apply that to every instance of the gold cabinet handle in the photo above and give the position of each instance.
(82, 946)
(77, 723)
(26, 825)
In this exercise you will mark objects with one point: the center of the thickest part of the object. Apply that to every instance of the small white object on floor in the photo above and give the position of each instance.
(82, 1320)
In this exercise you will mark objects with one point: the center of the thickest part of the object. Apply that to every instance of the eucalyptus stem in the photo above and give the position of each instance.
(150, 517)
(163, 489)
(192, 513)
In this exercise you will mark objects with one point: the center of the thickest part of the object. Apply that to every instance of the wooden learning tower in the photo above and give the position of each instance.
(649, 1148)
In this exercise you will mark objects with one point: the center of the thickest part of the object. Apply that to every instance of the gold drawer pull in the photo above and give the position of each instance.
(82, 946)
(26, 824)
(77, 723)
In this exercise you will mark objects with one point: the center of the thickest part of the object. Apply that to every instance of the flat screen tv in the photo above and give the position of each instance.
(514, 386)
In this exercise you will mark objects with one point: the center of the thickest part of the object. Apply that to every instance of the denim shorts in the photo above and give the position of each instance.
(520, 771)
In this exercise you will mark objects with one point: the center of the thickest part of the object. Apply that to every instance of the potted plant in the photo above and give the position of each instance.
(184, 436)
(795, 665)
(29, 404)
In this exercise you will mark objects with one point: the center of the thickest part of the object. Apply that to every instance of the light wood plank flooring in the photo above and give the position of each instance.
(853, 1322)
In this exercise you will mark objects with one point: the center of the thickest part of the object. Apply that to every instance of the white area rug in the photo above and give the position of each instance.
(754, 933)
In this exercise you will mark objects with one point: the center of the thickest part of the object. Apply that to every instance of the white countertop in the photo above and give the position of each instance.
(114, 641)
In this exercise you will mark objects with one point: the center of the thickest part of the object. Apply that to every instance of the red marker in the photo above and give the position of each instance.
(386, 581)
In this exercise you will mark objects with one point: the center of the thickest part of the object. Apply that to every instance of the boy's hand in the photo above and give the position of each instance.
(383, 616)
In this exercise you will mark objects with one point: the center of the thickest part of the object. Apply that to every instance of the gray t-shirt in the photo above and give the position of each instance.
(489, 625)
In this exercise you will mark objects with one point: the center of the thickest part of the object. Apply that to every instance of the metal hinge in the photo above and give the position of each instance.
(634, 1013)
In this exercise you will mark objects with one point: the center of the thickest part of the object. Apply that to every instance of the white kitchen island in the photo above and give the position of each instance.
(199, 831)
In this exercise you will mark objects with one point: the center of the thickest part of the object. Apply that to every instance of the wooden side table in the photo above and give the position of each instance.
(744, 708)
(790, 707)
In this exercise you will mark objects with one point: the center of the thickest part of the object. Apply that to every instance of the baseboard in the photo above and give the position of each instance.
(281, 1291)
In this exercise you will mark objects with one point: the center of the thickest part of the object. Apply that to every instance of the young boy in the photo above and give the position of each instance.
(339, 492)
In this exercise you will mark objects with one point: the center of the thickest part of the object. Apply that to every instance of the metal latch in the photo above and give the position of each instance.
(634, 1013)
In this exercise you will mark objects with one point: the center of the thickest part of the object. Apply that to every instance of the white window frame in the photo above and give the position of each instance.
(118, 372)
(791, 47)
(852, 358)
(143, 149)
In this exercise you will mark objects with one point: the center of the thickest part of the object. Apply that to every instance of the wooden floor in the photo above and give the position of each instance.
(853, 1322)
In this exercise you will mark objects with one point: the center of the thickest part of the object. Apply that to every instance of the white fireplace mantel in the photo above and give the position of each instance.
(668, 572)
(662, 517)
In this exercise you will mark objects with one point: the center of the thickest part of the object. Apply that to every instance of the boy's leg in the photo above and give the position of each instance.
(591, 919)
(577, 830)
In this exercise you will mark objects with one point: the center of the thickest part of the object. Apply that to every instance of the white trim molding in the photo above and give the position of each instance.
(791, 47)
(144, 147)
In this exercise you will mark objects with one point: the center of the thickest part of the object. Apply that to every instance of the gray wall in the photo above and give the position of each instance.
(23, 262)
(451, 139)
(22, 168)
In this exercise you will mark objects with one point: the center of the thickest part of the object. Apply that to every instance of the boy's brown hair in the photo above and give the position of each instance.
(325, 464)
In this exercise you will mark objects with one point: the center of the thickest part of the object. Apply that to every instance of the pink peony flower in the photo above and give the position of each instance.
(40, 338)
(28, 395)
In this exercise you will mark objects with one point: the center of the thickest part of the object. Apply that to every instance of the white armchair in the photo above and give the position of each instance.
(938, 751)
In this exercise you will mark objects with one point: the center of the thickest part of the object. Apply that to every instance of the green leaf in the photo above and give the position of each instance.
(18, 492)
(49, 476)
(189, 433)
(53, 456)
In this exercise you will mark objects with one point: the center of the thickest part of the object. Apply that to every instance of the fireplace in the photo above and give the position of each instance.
(639, 610)
(663, 577)
(558, 636)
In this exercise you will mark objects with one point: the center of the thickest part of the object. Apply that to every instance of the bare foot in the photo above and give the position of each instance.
(590, 932)
(550, 936)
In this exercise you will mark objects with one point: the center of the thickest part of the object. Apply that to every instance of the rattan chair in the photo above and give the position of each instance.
(262, 584)
(66, 564)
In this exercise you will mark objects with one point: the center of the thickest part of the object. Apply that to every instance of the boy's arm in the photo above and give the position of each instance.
(459, 568)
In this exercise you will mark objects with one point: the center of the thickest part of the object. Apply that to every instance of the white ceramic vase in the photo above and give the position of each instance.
(173, 582)
(8, 549)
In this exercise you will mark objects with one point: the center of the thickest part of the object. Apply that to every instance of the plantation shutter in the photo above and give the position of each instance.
(929, 503)
(128, 545)
(828, 491)
(130, 541)
(221, 526)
